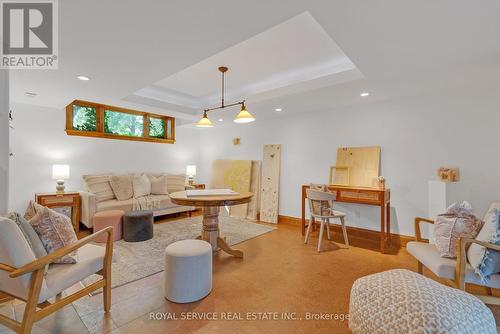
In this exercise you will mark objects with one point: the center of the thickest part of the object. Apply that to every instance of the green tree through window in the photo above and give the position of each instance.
(156, 128)
(84, 118)
(119, 123)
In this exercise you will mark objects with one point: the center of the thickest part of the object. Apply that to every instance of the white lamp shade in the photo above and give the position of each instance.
(191, 170)
(60, 172)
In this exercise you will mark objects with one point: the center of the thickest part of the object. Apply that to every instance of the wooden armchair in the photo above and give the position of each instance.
(456, 272)
(23, 277)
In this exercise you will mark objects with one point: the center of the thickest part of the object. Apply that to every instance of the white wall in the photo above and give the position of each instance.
(39, 141)
(4, 140)
(417, 135)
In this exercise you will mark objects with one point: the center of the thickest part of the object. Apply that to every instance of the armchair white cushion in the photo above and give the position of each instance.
(23, 276)
(429, 256)
(15, 251)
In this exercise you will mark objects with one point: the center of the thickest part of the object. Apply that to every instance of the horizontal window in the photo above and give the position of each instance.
(102, 121)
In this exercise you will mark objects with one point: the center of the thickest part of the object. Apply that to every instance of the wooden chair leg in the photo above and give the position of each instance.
(311, 222)
(32, 302)
(420, 268)
(328, 229)
(344, 231)
(321, 228)
(108, 259)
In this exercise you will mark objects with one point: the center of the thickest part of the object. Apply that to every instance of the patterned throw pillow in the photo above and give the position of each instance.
(141, 185)
(159, 185)
(490, 264)
(122, 187)
(455, 223)
(176, 183)
(475, 253)
(56, 231)
(32, 209)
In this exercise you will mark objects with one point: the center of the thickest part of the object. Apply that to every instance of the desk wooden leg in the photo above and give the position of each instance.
(382, 229)
(210, 232)
(303, 210)
(388, 219)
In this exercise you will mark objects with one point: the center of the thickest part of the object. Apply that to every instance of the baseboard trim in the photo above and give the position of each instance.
(370, 237)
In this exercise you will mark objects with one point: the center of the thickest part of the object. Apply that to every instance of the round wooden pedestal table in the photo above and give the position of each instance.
(210, 206)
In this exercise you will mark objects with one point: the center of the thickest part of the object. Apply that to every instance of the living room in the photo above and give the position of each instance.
(269, 115)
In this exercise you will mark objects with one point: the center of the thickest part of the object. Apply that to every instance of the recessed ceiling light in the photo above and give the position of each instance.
(220, 120)
(83, 78)
(30, 94)
(365, 94)
(278, 109)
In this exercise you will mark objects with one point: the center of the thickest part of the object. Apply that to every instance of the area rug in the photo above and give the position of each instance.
(137, 260)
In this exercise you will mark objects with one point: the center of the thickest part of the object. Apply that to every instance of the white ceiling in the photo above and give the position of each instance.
(399, 48)
(289, 53)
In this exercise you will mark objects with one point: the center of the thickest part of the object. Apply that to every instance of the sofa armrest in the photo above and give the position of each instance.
(460, 266)
(418, 220)
(89, 208)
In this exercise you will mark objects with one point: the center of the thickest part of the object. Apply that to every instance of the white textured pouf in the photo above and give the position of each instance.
(188, 271)
(401, 301)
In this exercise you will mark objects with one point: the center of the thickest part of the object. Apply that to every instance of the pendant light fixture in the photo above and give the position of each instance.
(243, 117)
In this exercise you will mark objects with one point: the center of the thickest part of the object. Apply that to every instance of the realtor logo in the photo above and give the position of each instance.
(29, 34)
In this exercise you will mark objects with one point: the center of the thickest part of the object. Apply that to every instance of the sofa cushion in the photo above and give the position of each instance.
(428, 255)
(141, 185)
(475, 253)
(100, 186)
(56, 231)
(176, 183)
(122, 186)
(159, 185)
(115, 205)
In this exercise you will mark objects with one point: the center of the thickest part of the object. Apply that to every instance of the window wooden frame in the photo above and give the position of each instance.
(99, 133)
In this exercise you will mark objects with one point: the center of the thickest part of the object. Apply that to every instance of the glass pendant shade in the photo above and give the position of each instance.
(244, 116)
(204, 122)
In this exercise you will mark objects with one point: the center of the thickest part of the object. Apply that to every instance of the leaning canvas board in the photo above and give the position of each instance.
(363, 163)
(255, 181)
(269, 200)
(235, 175)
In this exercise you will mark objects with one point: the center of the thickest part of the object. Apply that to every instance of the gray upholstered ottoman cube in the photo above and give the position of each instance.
(138, 226)
(401, 301)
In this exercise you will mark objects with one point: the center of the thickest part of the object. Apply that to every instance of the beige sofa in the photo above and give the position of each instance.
(98, 196)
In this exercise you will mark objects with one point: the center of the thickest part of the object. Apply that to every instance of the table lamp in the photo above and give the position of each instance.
(191, 173)
(60, 173)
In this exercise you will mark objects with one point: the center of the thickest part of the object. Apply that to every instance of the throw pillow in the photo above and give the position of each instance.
(122, 187)
(32, 209)
(452, 225)
(176, 183)
(490, 263)
(56, 231)
(141, 185)
(29, 234)
(99, 185)
(475, 253)
(159, 185)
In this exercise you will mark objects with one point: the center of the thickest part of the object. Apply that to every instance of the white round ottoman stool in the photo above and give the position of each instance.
(188, 271)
